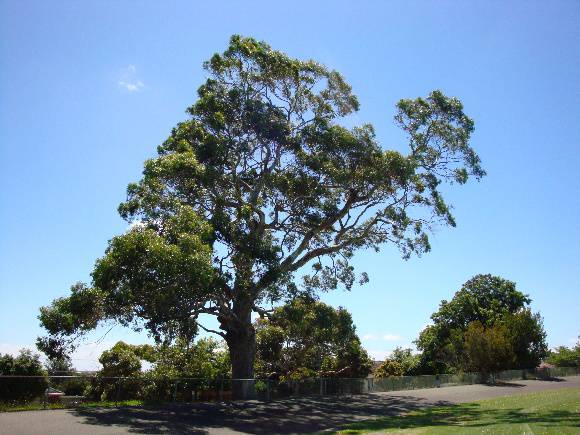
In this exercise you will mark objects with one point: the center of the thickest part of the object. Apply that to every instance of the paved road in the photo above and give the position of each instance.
(300, 415)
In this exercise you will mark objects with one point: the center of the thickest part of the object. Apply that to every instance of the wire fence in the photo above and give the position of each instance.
(80, 389)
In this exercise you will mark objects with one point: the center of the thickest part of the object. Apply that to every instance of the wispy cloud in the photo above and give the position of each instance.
(392, 337)
(129, 79)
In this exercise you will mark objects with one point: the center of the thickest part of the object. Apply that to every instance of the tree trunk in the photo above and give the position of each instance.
(241, 342)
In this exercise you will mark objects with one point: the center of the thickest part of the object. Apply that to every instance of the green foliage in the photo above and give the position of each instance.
(487, 350)
(68, 317)
(409, 361)
(489, 300)
(122, 360)
(389, 367)
(525, 331)
(307, 336)
(261, 182)
(206, 358)
(563, 356)
(18, 390)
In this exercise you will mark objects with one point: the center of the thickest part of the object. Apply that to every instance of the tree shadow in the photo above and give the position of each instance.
(294, 415)
(504, 384)
(312, 414)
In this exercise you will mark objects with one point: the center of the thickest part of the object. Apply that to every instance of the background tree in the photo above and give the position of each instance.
(489, 300)
(17, 390)
(525, 331)
(408, 360)
(183, 369)
(389, 367)
(261, 182)
(120, 376)
(204, 359)
(563, 356)
(59, 367)
(311, 338)
(124, 360)
(401, 362)
(71, 386)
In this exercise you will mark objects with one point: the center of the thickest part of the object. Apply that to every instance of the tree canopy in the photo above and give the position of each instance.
(260, 196)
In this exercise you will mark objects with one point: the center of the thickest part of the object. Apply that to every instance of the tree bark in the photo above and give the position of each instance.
(241, 341)
(242, 347)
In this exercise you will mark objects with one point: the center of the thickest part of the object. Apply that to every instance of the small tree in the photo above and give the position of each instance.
(487, 350)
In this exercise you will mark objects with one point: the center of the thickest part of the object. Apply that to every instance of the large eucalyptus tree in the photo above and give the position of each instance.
(260, 185)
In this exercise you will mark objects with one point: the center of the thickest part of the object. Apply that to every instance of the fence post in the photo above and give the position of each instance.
(118, 387)
(45, 395)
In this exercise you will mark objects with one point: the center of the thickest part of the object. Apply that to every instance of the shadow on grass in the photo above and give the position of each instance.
(471, 415)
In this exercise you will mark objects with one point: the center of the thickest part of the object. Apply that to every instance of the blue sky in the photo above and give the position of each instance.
(87, 92)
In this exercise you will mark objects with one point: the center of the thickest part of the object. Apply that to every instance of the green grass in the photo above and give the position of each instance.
(549, 412)
(35, 406)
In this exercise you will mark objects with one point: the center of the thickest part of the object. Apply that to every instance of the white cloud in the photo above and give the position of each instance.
(129, 79)
(379, 355)
(386, 337)
(14, 349)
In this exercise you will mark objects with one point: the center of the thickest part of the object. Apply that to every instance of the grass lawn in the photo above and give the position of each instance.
(548, 412)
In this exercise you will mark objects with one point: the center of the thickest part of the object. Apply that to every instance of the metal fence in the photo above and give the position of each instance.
(78, 389)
